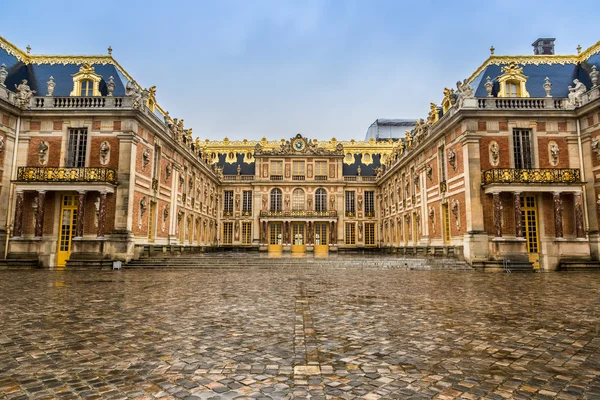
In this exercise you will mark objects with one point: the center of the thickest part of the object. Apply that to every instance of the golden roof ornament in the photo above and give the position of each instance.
(578, 49)
(28, 48)
(492, 49)
(109, 50)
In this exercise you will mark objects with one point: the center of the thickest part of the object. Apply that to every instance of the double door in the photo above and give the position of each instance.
(68, 221)
(298, 237)
(321, 242)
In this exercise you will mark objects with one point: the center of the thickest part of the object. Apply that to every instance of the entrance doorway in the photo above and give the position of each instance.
(276, 236)
(298, 230)
(530, 226)
(68, 220)
(321, 243)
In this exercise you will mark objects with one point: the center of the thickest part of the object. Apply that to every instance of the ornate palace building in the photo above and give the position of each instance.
(93, 170)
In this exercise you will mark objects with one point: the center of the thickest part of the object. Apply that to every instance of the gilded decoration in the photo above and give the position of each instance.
(308, 147)
(513, 73)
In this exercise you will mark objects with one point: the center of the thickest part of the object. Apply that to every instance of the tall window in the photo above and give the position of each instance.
(276, 170)
(350, 233)
(156, 170)
(320, 170)
(442, 161)
(247, 202)
(246, 232)
(87, 88)
(228, 202)
(298, 200)
(350, 203)
(276, 200)
(321, 200)
(227, 232)
(522, 148)
(77, 148)
(298, 170)
(369, 234)
(370, 203)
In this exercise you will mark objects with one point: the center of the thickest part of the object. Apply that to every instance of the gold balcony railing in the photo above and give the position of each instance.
(298, 214)
(59, 174)
(537, 175)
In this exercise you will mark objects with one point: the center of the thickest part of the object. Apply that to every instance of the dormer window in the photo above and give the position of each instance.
(513, 83)
(86, 82)
(87, 88)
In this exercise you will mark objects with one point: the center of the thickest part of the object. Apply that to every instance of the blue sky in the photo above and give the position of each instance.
(274, 68)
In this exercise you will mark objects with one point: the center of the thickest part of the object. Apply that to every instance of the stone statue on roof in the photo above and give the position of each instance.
(465, 91)
(575, 94)
(24, 95)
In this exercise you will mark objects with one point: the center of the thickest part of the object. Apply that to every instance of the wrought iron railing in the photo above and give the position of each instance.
(59, 174)
(298, 214)
(537, 175)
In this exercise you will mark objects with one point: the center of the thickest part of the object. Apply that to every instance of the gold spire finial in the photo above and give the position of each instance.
(28, 49)
(492, 49)
(109, 50)
(578, 49)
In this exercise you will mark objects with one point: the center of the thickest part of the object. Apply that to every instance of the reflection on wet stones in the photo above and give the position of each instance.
(311, 333)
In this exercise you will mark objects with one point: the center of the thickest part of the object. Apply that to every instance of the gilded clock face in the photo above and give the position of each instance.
(298, 144)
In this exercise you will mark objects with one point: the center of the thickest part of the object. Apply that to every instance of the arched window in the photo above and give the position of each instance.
(321, 200)
(87, 88)
(298, 200)
(276, 200)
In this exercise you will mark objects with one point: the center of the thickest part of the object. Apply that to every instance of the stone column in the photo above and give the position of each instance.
(518, 215)
(101, 215)
(18, 224)
(80, 214)
(39, 223)
(497, 215)
(579, 228)
(558, 225)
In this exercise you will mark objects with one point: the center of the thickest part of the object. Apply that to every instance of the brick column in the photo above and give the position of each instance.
(80, 214)
(497, 215)
(579, 228)
(39, 223)
(518, 215)
(18, 224)
(558, 225)
(101, 215)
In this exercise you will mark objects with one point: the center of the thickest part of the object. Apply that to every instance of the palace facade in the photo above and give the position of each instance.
(94, 170)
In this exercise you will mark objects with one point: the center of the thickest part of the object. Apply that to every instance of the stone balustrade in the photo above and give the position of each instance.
(80, 102)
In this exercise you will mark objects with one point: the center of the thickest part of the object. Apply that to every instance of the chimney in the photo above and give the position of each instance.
(543, 46)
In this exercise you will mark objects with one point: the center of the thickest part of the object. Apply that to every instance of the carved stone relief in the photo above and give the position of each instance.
(494, 153)
(553, 153)
(145, 159)
(43, 148)
(456, 212)
(104, 152)
(432, 218)
(452, 158)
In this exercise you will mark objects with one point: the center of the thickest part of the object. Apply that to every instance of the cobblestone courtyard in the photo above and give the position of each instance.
(287, 333)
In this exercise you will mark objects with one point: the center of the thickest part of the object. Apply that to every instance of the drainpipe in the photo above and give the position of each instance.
(13, 176)
(584, 194)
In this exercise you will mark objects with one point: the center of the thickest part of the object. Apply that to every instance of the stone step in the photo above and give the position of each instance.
(16, 263)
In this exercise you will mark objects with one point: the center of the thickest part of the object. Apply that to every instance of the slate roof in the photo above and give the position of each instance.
(37, 75)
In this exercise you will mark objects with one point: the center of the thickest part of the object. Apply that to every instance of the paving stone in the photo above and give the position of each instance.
(318, 332)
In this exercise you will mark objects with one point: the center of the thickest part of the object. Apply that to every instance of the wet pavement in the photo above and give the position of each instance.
(310, 333)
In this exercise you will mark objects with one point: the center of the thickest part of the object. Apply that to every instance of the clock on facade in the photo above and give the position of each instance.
(298, 144)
